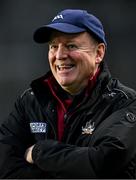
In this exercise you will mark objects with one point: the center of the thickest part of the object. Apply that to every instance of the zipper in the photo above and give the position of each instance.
(49, 120)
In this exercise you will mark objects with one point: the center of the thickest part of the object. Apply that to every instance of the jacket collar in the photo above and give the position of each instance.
(43, 92)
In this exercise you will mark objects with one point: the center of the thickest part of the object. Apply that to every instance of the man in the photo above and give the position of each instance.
(75, 121)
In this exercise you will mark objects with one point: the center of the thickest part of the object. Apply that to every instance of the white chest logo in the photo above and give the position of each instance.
(89, 128)
(38, 127)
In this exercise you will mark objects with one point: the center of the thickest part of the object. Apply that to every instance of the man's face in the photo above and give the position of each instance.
(73, 59)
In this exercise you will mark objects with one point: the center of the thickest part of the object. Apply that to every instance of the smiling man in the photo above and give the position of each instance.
(76, 121)
(74, 59)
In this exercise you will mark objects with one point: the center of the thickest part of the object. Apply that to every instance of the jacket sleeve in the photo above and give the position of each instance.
(15, 137)
(111, 149)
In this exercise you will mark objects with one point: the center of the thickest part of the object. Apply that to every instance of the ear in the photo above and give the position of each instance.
(100, 52)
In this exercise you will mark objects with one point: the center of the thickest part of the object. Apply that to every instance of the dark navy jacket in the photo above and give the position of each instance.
(99, 138)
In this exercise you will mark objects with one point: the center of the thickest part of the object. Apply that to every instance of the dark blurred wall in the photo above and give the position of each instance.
(22, 60)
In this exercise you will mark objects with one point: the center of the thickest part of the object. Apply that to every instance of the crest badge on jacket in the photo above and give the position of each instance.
(89, 128)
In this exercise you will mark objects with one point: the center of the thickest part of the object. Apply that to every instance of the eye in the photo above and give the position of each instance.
(53, 46)
(72, 46)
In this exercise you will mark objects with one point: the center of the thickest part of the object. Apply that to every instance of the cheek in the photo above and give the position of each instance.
(83, 59)
(50, 56)
(88, 64)
(78, 58)
(51, 59)
(75, 55)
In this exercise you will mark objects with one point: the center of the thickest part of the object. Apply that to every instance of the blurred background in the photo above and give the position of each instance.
(22, 60)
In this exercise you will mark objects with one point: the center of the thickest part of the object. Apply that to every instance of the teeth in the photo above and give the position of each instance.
(61, 67)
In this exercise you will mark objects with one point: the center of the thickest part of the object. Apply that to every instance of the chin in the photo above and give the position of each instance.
(64, 84)
(65, 81)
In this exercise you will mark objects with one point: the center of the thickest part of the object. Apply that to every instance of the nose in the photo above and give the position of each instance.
(61, 53)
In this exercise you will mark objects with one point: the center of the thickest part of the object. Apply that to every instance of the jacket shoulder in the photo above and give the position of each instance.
(27, 92)
(127, 91)
(26, 98)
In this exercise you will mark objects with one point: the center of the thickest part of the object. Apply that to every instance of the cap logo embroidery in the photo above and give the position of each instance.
(89, 128)
(38, 127)
(58, 17)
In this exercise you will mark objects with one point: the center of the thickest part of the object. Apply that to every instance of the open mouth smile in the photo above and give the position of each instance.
(64, 67)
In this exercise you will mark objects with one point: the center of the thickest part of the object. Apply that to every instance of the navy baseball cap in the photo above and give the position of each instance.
(71, 21)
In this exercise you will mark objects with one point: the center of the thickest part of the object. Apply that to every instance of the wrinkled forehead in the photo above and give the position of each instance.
(73, 37)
